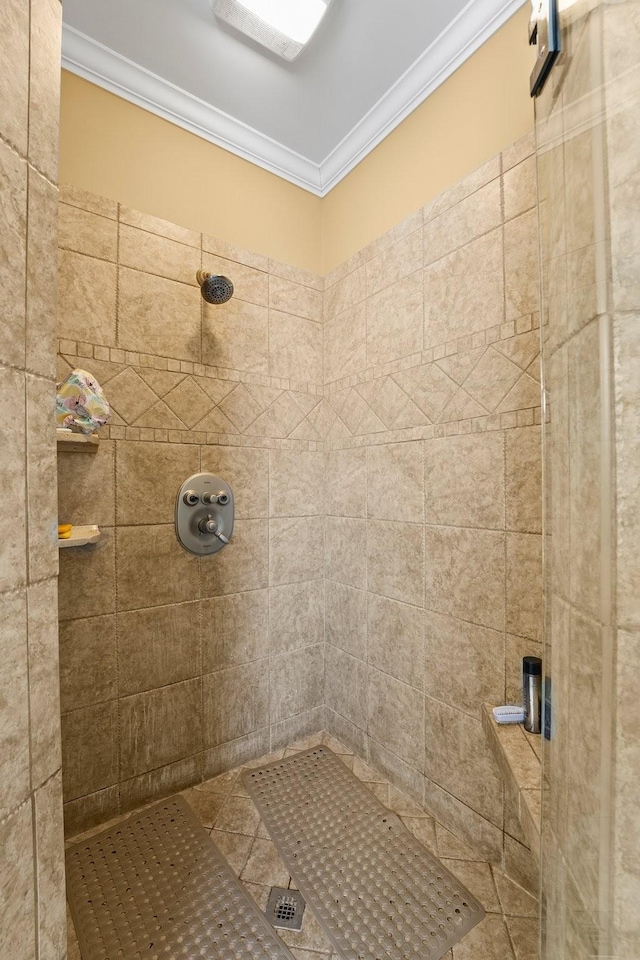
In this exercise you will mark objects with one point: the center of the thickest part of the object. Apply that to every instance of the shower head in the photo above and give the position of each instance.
(214, 288)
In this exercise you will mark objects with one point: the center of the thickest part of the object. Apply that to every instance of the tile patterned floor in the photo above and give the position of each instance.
(508, 932)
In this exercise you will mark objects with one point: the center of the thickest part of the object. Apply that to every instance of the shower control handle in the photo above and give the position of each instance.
(204, 514)
(210, 525)
(222, 498)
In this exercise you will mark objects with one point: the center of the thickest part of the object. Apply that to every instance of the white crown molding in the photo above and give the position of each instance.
(473, 26)
(463, 36)
(94, 62)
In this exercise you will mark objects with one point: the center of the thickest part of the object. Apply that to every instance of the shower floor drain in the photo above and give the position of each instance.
(376, 891)
(285, 908)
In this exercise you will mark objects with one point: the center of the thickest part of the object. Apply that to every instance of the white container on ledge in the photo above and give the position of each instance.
(81, 536)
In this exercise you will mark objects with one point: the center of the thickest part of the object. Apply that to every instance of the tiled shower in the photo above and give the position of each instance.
(381, 428)
(385, 574)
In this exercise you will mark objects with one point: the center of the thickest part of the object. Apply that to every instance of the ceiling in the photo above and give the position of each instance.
(311, 121)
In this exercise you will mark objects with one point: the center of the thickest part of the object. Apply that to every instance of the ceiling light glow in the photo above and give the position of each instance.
(295, 18)
(284, 26)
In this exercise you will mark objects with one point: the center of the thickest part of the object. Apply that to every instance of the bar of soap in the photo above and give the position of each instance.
(508, 714)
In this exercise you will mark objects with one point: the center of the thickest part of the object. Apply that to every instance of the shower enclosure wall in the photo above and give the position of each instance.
(170, 671)
(589, 175)
(380, 428)
(32, 909)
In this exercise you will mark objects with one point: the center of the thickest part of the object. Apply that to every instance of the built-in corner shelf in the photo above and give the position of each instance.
(76, 442)
(517, 754)
(81, 536)
(68, 441)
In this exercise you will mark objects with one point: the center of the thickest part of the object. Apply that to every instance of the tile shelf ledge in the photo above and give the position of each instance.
(517, 754)
(76, 442)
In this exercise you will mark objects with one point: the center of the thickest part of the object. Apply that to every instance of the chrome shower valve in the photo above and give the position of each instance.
(204, 514)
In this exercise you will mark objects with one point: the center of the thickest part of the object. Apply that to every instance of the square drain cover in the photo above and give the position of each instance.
(285, 908)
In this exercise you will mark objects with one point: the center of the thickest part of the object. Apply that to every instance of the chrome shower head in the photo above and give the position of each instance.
(214, 288)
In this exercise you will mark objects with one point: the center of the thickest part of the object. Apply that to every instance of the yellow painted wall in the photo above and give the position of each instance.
(114, 148)
(477, 112)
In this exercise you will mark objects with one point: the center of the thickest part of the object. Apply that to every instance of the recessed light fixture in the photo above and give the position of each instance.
(283, 26)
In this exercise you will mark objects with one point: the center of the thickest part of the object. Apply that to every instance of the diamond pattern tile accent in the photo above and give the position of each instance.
(280, 419)
(217, 390)
(353, 410)
(370, 389)
(394, 407)
(429, 387)
(189, 402)
(534, 369)
(321, 419)
(216, 422)
(416, 397)
(522, 349)
(129, 395)
(63, 367)
(466, 385)
(307, 401)
(263, 396)
(460, 365)
(160, 417)
(371, 423)
(525, 393)
(472, 383)
(161, 381)
(241, 408)
(338, 432)
(116, 419)
(461, 407)
(491, 379)
(337, 400)
(172, 400)
(306, 431)
(102, 370)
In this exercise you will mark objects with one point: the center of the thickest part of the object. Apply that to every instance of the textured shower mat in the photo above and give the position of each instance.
(377, 892)
(156, 887)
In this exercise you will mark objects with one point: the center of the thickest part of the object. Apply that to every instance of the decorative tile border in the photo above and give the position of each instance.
(82, 350)
(324, 415)
(503, 331)
(153, 435)
(496, 421)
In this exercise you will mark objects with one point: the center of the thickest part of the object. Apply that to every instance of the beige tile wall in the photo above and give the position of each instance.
(174, 669)
(32, 911)
(621, 24)
(420, 407)
(433, 530)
